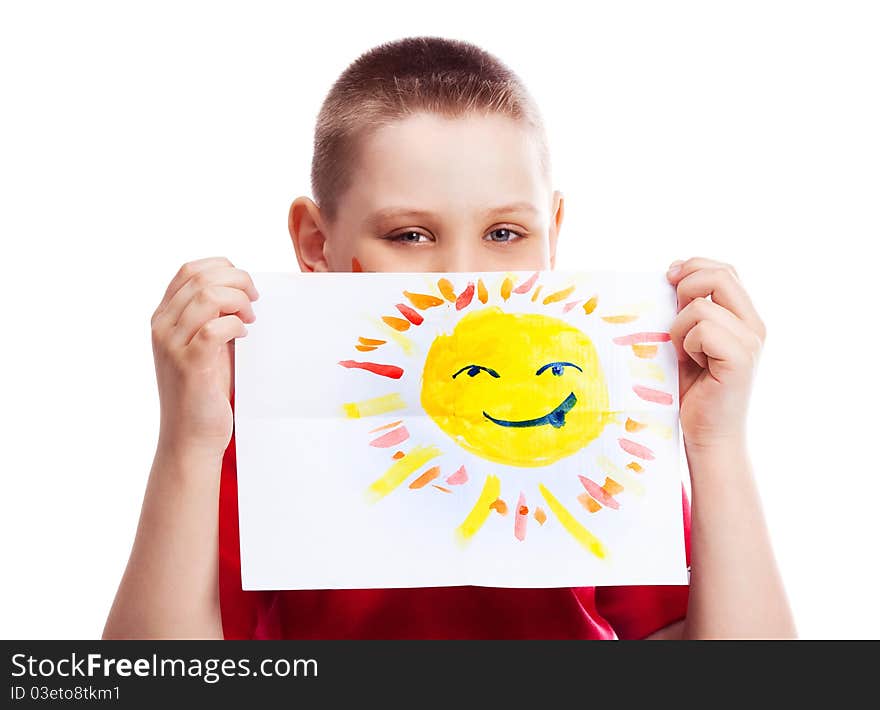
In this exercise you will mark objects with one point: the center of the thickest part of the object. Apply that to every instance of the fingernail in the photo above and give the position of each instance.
(675, 267)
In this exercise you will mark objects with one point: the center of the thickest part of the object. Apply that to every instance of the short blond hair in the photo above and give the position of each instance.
(393, 80)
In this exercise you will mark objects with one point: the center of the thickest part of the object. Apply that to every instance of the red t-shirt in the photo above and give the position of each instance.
(467, 612)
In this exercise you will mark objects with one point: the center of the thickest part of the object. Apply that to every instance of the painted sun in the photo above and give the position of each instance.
(513, 387)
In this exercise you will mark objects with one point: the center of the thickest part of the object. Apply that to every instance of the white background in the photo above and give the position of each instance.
(134, 138)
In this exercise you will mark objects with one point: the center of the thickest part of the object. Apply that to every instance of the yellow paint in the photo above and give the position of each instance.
(506, 288)
(516, 346)
(632, 484)
(644, 350)
(446, 288)
(537, 293)
(482, 293)
(589, 541)
(404, 342)
(559, 295)
(374, 406)
(480, 512)
(648, 369)
(619, 319)
(399, 470)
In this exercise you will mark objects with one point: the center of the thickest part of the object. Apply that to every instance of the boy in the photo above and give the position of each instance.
(430, 155)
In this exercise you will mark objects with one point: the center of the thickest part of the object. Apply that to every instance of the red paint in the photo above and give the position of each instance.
(412, 315)
(464, 300)
(356, 265)
(599, 493)
(392, 371)
(652, 395)
(631, 447)
(458, 478)
(392, 438)
(642, 338)
(526, 285)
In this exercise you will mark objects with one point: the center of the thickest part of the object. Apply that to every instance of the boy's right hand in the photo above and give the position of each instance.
(204, 308)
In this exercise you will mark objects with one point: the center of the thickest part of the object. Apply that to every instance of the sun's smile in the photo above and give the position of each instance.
(505, 385)
(555, 418)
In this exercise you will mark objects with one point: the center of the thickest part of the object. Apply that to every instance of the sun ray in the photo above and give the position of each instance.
(371, 341)
(458, 478)
(499, 506)
(423, 301)
(661, 430)
(385, 426)
(392, 438)
(651, 395)
(413, 316)
(590, 503)
(464, 300)
(623, 318)
(446, 288)
(643, 368)
(644, 350)
(520, 522)
(392, 371)
(403, 341)
(506, 287)
(441, 488)
(365, 348)
(636, 449)
(425, 478)
(589, 541)
(480, 512)
(642, 338)
(537, 293)
(559, 295)
(399, 470)
(599, 493)
(373, 406)
(568, 306)
(397, 323)
(633, 485)
(591, 304)
(540, 515)
(526, 285)
(482, 293)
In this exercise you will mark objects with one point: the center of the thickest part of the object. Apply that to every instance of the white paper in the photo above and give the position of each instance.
(314, 513)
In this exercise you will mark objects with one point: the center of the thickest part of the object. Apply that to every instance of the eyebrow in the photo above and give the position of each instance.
(388, 213)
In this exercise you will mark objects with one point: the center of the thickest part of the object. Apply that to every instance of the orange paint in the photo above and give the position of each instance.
(643, 350)
(441, 488)
(482, 293)
(371, 341)
(586, 500)
(523, 510)
(540, 515)
(445, 286)
(386, 426)
(423, 300)
(398, 455)
(632, 465)
(365, 348)
(426, 477)
(559, 295)
(612, 487)
(506, 288)
(590, 305)
(633, 425)
(396, 323)
(499, 505)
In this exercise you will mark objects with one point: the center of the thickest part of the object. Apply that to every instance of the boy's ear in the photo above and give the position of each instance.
(307, 232)
(556, 214)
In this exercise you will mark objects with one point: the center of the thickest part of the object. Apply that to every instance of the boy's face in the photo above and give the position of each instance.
(435, 194)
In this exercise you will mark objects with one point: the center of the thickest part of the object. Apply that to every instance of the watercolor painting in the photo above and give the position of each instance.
(535, 410)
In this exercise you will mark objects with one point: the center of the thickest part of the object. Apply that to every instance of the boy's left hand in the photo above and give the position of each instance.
(719, 343)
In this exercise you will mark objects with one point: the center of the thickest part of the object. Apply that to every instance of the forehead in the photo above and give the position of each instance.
(432, 161)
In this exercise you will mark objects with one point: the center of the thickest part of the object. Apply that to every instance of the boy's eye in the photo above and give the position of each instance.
(557, 368)
(409, 237)
(503, 234)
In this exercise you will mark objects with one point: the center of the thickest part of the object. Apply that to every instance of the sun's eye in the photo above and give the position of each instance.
(474, 370)
(557, 368)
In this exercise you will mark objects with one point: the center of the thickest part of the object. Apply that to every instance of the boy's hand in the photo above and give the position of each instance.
(718, 343)
(204, 309)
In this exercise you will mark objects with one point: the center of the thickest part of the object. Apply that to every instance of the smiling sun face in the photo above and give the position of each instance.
(521, 389)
